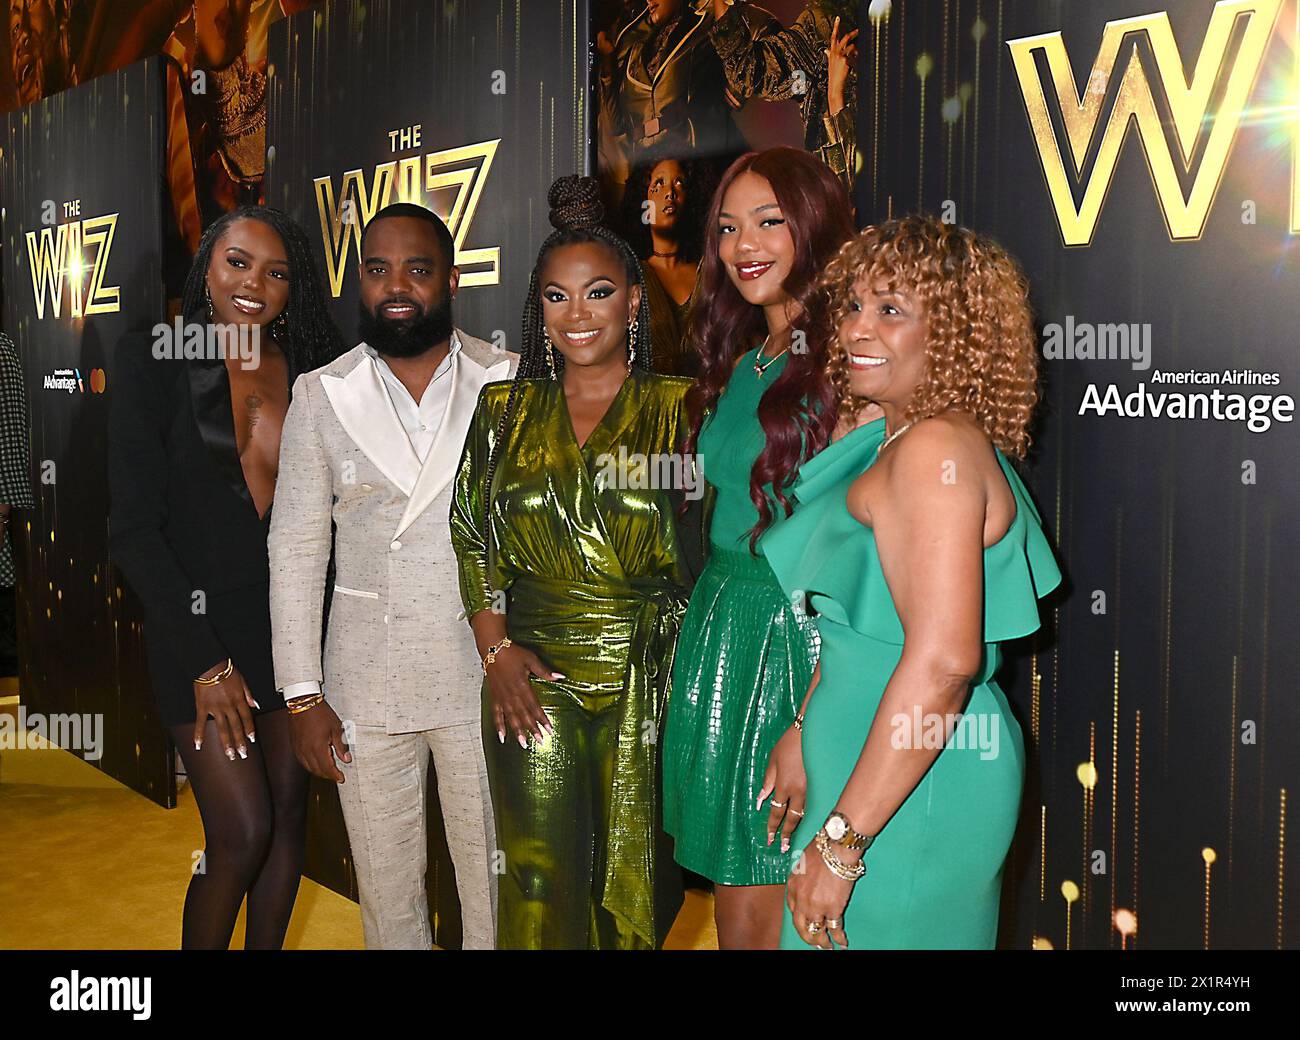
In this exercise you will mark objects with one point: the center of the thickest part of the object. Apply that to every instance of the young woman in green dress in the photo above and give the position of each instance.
(761, 406)
(920, 551)
(572, 577)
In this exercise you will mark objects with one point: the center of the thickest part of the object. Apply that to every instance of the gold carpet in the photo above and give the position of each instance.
(86, 863)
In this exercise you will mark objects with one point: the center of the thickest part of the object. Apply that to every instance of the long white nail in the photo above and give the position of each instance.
(198, 745)
(523, 741)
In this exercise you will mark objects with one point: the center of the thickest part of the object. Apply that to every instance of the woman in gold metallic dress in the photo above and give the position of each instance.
(572, 577)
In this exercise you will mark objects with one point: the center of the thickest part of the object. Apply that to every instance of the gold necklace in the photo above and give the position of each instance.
(759, 365)
(892, 437)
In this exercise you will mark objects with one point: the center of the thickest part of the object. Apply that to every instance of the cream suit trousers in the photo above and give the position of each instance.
(383, 800)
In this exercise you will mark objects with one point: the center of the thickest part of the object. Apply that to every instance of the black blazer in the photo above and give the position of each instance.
(183, 527)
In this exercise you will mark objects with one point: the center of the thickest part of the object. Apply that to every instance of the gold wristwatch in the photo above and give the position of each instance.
(840, 831)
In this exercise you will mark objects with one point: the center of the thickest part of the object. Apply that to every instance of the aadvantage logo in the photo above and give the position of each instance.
(462, 171)
(1189, 102)
(56, 258)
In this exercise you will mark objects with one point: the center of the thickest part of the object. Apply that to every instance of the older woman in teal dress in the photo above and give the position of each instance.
(564, 524)
(919, 550)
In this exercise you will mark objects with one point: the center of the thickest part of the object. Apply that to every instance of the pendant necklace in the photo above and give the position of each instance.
(761, 366)
(892, 437)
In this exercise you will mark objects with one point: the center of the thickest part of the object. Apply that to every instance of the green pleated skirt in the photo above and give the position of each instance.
(744, 659)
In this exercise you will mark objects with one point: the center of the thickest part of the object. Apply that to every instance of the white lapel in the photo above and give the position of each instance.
(469, 371)
(365, 411)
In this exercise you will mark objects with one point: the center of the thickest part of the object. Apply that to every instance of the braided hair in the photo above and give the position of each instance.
(304, 330)
(577, 215)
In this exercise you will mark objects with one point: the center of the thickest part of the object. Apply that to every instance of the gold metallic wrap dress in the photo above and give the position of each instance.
(583, 544)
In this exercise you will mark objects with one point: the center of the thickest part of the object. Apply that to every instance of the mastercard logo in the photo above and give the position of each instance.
(98, 380)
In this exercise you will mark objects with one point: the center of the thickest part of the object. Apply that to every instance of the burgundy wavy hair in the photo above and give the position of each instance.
(797, 412)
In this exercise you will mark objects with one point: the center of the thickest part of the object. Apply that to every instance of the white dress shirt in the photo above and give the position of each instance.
(420, 421)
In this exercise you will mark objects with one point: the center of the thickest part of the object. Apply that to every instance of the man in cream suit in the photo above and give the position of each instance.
(371, 443)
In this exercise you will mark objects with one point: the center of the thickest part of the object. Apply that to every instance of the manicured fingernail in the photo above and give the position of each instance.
(770, 836)
(523, 741)
(785, 844)
(501, 735)
(558, 675)
(759, 804)
(243, 752)
(198, 745)
(252, 737)
(230, 754)
(257, 706)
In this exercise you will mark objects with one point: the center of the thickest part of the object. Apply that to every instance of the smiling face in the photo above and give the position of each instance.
(883, 337)
(667, 194)
(587, 303)
(754, 240)
(248, 278)
(407, 285)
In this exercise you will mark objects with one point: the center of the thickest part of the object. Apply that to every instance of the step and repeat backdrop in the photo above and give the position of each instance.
(1143, 162)
(82, 266)
(1141, 159)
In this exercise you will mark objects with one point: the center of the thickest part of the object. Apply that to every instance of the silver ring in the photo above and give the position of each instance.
(835, 923)
(795, 812)
(814, 927)
(778, 805)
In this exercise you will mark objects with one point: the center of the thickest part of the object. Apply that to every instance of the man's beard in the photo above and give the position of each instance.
(406, 339)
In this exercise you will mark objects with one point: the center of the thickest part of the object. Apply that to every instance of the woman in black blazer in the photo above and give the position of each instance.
(194, 442)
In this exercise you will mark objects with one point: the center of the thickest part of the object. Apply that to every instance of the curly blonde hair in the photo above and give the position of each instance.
(981, 351)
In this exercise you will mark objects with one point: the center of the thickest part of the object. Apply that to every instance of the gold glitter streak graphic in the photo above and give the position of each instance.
(1113, 866)
(1281, 859)
(1071, 893)
(1209, 856)
(1137, 784)
(1042, 855)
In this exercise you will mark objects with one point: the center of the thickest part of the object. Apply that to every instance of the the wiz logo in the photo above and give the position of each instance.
(57, 256)
(462, 171)
(1189, 101)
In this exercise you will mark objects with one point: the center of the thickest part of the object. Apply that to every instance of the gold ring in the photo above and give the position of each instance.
(835, 923)
(814, 927)
(778, 805)
(795, 812)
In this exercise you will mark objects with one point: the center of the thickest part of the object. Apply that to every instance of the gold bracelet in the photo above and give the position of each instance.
(798, 722)
(492, 653)
(300, 704)
(221, 676)
(833, 863)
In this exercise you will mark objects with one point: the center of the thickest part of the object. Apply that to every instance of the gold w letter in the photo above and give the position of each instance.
(1189, 102)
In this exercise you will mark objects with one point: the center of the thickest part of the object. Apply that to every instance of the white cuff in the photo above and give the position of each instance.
(300, 689)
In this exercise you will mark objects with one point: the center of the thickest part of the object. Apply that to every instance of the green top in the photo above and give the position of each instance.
(583, 540)
(730, 443)
(828, 555)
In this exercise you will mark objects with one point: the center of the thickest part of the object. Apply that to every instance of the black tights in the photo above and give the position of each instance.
(255, 835)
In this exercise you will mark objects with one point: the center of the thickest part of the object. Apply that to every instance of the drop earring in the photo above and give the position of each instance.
(631, 340)
(207, 296)
(550, 353)
(280, 327)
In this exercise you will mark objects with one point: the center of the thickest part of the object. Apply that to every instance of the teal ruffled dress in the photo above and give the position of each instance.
(934, 873)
